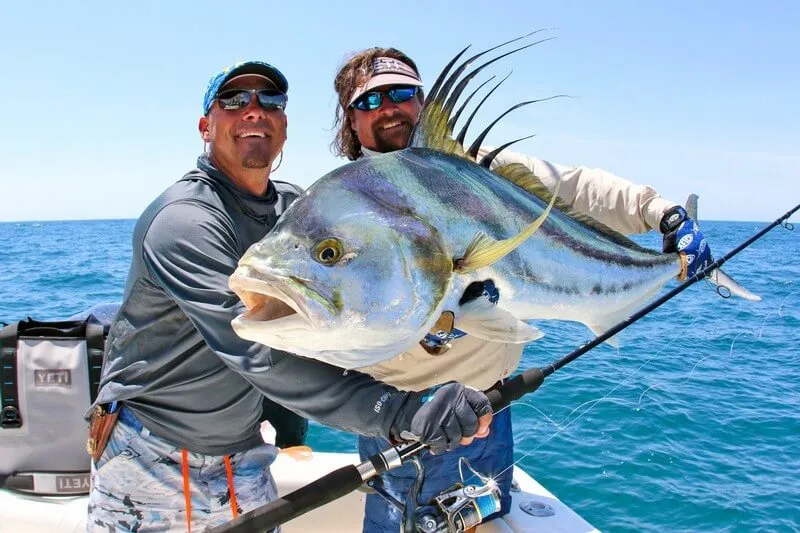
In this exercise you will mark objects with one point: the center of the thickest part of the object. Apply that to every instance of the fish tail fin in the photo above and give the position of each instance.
(723, 282)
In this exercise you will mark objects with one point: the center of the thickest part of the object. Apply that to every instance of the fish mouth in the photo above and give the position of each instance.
(277, 302)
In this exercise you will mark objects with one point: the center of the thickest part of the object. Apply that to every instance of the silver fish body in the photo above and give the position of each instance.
(402, 218)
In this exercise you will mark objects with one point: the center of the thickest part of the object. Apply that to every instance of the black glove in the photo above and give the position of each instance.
(441, 416)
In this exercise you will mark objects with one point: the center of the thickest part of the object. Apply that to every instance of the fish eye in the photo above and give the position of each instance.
(328, 251)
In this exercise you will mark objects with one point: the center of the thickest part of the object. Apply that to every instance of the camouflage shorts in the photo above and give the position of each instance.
(138, 485)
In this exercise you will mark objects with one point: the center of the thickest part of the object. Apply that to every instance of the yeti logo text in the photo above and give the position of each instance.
(78, 483)
(52, 378)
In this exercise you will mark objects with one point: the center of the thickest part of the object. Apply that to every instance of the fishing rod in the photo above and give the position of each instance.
(346, 479)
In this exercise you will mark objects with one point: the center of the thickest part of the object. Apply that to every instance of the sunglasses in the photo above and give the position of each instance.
(374, 99)
(240, 98)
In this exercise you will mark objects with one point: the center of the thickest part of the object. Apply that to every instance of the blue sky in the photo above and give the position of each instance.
(100, 100)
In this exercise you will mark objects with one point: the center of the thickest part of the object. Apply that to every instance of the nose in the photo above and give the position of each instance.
(254, 111)
(387, 106)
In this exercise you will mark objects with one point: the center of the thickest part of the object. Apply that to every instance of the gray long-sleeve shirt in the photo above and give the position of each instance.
(172, 355)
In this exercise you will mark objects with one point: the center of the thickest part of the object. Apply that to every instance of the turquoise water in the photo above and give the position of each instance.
(692, 425)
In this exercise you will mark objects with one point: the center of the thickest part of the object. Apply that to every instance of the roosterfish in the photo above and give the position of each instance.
(374, 254)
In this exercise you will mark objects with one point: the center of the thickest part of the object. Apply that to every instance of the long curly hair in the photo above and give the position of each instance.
(355, 72)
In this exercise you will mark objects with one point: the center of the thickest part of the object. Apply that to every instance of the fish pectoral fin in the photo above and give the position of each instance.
(721, 279)
(483, 319)
(484, 251)
(599, 329)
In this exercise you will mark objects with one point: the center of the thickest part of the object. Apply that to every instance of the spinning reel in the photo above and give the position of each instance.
(454, 510)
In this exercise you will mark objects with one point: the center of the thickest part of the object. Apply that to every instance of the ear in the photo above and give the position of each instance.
(202, 126)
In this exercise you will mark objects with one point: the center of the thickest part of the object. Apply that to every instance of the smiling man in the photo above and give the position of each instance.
(174, 432)
(243, 146)
(381, 97)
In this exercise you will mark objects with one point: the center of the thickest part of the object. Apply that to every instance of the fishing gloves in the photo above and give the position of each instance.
(441, 416)
(682, 235)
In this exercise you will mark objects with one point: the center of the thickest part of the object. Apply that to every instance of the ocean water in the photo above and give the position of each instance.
(692, 425)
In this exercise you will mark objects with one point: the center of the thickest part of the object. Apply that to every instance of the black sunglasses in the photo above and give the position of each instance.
(374, 99)
(239, 98)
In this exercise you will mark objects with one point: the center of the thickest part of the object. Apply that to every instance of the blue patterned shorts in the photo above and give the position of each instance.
(138, 484)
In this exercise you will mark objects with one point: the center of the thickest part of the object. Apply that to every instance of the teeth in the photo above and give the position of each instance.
(251, 134)
(390, 125)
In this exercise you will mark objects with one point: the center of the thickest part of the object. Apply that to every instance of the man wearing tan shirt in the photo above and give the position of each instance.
(380, 96)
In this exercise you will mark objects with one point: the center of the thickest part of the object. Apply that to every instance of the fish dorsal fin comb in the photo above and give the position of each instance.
(434, 127)
(486, 161)
(476, 144)
(454, 117)
(520, 175)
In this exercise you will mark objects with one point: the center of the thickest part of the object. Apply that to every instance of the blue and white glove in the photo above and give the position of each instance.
(441, 416)
(682, 235)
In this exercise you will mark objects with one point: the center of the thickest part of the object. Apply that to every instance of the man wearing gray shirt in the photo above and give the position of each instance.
(186, 452)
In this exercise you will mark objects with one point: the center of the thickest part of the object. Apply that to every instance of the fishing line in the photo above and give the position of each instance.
(598, 400)
(779, 312)
(780, 308)
(691, 372)
(595, 402)
(733, 342)
(526, 404)
(764, 322)
(606, 397)
(464, 461)
(730, 352)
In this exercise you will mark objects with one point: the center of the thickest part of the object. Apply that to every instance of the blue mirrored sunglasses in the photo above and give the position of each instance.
(239, 98)
(374, 99)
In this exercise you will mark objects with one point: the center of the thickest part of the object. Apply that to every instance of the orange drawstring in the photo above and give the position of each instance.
(229, 470)
(187, 494)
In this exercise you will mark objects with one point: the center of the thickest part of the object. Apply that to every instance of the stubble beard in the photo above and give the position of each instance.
(257, 158)
(390, 142)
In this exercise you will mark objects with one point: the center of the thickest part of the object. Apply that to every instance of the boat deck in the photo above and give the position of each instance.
(546, 513)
